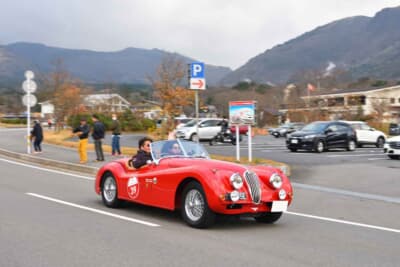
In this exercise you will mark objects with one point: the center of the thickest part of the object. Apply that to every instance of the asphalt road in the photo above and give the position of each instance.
(345, 213)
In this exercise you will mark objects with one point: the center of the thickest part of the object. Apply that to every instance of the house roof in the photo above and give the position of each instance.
(105, 97)
(340, 92)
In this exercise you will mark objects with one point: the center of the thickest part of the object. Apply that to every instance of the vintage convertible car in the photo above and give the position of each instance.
(201, 188)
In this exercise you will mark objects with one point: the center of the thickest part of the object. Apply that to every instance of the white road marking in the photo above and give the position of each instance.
(47, 170)
(354, 155)
(345, 222)
(94, 210)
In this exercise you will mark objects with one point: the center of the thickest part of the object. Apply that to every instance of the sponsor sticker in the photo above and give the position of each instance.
(133, 187)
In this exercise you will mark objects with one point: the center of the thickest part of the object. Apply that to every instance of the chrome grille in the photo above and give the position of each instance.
(253, 184)
(394, 145)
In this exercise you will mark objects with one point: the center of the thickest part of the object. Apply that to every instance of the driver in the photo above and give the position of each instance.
(175, 149)
(143, 155)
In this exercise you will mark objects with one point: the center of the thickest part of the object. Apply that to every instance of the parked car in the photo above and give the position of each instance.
(286, 128)
(394, 129)
(243, 129)
(320, 136)
(207, 129)
(180, 122)
(392, 147)
(201, 188)
(367, 135)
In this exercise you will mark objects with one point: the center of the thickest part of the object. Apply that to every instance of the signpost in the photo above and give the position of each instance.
(29, 100)
(242, 113)
(197, 82)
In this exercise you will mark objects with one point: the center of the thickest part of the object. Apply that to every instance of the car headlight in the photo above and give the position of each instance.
(276, 180)
(236, 181)
(310, 136)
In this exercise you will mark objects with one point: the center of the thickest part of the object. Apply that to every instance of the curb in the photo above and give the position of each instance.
(50, 162)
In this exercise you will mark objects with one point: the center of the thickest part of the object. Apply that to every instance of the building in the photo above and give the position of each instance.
(46, 109)
(106, 103)
(384, 101)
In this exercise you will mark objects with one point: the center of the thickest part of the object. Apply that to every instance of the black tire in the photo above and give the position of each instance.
(351, 145)
(359, 145)
(212, 142)
(109, 191)
(194, 207)
(194, 137)
(269, 217)
(293, 149)
(319, 147)
(380, 142)
(394, 156)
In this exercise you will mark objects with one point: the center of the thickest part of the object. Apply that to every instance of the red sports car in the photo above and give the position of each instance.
(200, 187)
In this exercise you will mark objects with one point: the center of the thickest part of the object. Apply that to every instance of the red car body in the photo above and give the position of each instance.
(243, 129)
(165, 182)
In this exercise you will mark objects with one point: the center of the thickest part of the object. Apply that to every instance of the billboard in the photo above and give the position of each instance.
(242, 112)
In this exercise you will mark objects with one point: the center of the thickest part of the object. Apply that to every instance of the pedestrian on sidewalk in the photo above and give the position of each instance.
(98, 134)
(116, 133)
(37, 136)
(82, 131)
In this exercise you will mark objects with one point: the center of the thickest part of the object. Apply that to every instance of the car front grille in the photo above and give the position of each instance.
(394, 145)
(253, 184)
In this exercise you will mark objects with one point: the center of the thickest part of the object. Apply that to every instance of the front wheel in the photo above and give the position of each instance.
(109, 191)
(380, 142)
(293, 149)
(351, 145)
(194, 207)
(394, 156)
(269, 217)
(194, 137)
(319, 147)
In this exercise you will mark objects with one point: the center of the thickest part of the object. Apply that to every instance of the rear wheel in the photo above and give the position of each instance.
(320, 147)
(269, 217)
(293, 149)
(351, 145)
(194, 207)
(394, 156)
(109, 191)
(380, 142)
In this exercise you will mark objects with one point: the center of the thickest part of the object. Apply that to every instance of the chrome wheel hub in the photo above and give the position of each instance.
(194, 205)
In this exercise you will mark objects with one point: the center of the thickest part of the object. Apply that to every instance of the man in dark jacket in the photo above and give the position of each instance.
(98, 134)
(143, 155)
(82, 131)
(37, 135)
(116, 132)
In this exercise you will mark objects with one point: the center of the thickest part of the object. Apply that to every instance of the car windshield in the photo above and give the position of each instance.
(177, 148)
(314, 127)
(190, 123)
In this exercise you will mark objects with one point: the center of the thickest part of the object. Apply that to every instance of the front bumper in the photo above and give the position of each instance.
(300, 143)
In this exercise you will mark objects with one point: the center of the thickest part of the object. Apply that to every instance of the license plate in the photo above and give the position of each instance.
(279, 206)
(294, 141)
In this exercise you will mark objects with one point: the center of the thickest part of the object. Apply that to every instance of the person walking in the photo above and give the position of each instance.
(37, 135)
(98, 134)
(116, 132)
(82, 131)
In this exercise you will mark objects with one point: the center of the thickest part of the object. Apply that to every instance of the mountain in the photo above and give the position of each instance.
(131, 65)
(362, 45)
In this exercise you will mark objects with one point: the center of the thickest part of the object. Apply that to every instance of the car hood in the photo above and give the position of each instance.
(394, 139)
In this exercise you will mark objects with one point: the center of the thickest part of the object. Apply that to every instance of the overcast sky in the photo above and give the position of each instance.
(218, 32)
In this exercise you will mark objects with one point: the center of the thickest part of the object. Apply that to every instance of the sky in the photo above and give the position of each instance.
(218, 32)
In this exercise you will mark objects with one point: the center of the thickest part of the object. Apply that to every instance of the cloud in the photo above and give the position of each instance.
(223, 32)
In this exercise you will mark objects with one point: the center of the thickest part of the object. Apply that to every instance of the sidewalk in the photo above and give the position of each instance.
(13, 144)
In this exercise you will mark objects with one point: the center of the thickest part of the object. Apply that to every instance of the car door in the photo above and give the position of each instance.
(342, 135)
(209, 128)
(332, 136)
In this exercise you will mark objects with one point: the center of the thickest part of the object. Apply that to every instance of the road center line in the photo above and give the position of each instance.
(347, 192)
(94, 210)
(344, 222)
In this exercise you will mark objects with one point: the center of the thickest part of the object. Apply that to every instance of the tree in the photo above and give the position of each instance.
(169, 91)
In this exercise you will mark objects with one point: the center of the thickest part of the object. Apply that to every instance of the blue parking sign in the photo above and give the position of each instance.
(197, 70)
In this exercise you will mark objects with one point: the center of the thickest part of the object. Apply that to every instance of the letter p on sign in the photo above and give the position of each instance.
(197, 70)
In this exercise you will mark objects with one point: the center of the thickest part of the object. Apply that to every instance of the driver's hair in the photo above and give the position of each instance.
(143, 140)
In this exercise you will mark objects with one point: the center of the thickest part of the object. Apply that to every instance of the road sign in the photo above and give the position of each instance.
(29, 100)
(29, 86)
(197, 83)
(197, 70)
(29, 75)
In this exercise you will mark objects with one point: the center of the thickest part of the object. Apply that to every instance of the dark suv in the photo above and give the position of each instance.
(319, 136)
(394, 129)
